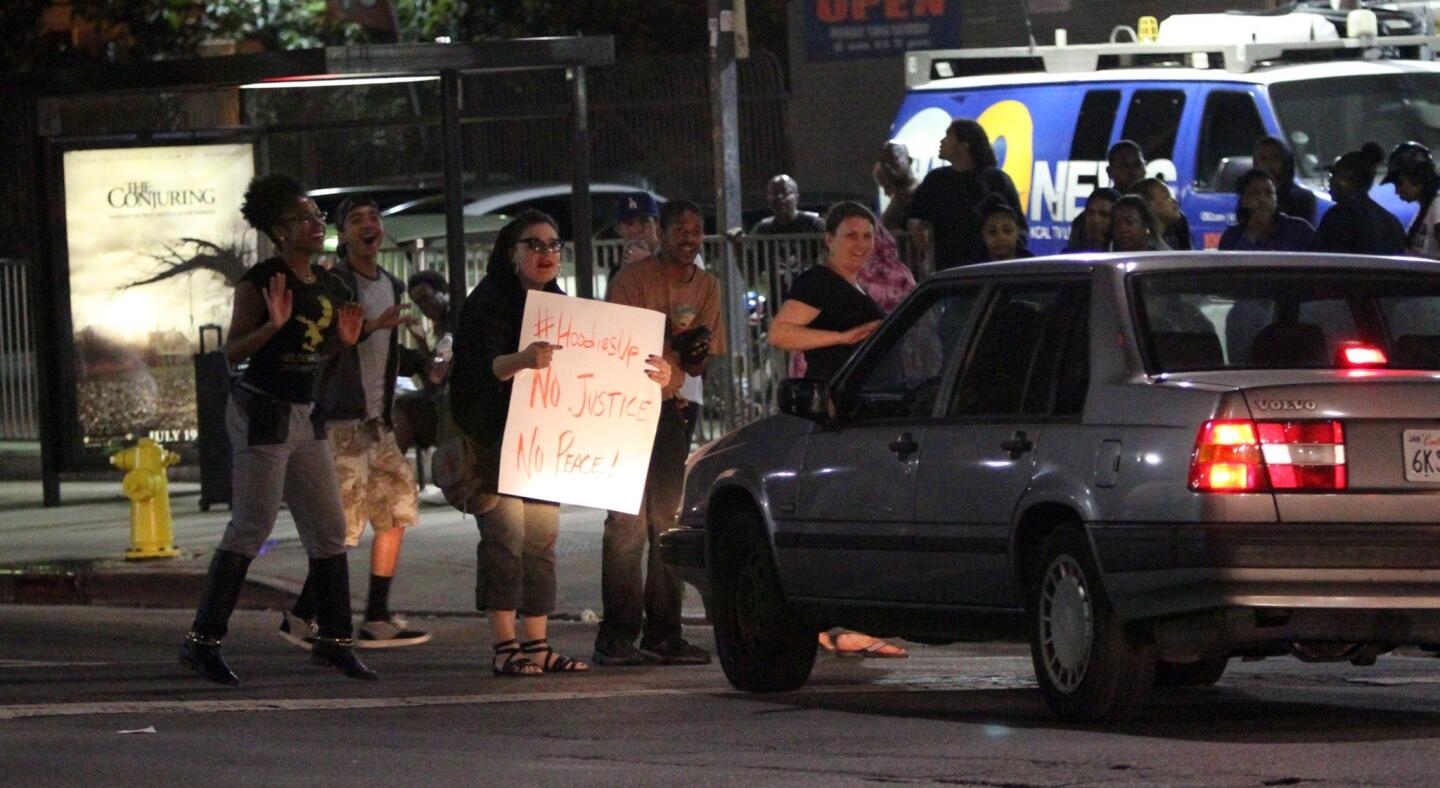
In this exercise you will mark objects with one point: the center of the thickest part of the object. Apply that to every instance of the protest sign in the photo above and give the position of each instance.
(580, 430)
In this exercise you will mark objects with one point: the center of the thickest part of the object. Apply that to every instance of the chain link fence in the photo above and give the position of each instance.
(740, 386)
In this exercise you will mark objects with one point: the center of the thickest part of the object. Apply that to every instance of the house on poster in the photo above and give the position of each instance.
(580, 431)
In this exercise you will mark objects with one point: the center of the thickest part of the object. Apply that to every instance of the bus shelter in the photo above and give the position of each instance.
(49, 287)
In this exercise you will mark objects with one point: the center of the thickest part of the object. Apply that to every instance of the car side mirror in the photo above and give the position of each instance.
(808, 398)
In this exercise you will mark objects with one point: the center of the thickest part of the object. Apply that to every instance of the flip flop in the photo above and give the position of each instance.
(878, 649)
(827, 643)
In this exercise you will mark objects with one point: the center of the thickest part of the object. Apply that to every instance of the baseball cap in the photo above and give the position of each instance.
(1408, 158)
(350, 204)
(634, 205)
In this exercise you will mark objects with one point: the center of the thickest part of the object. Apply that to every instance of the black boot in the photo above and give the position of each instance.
(334, 646)
(201, 649)
(339, 653)
(203, 656)
(305, 603)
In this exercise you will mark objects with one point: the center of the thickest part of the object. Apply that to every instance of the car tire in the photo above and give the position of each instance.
(762, 644)
(1089, 667)
(1190, 674)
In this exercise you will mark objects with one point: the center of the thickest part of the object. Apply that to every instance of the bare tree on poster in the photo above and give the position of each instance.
(228, 261)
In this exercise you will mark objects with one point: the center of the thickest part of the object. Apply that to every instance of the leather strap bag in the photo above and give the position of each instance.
(466, 474)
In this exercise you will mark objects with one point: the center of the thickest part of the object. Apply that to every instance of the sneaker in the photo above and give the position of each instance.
(390, 633)
(617, 653)
(299, 631)
(675, 652)
(430, 495)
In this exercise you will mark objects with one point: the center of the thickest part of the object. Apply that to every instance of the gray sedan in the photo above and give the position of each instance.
(1144, 465)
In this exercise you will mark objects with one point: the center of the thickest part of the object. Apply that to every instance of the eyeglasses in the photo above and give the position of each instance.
(318, 217)
(536, 245)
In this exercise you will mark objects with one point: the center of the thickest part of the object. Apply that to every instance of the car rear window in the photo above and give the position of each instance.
(1271, 319)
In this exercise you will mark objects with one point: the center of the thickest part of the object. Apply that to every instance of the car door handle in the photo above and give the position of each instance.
(1017, 444)
(904, 445)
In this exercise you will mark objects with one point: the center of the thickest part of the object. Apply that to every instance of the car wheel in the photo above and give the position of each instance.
(1088, 666)
(762, 644)
(1190, 674)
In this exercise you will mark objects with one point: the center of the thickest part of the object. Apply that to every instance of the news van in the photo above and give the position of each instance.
(1196, 110)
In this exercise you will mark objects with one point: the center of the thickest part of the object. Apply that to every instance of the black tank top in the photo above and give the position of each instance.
(285, 366)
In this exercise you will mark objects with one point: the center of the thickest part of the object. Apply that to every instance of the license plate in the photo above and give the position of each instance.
(1422, 456)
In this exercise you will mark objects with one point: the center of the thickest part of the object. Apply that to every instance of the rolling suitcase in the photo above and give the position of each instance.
(212, 392)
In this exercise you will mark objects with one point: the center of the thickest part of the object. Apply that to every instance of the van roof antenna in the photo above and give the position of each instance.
(1029, 31)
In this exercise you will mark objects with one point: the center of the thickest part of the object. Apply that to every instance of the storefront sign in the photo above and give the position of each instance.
(580, 431)
(845, 29)
(156, 244)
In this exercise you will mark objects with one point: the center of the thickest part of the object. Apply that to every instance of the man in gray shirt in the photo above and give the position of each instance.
(356, 392)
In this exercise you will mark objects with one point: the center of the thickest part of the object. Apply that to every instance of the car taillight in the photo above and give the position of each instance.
(1240, 455)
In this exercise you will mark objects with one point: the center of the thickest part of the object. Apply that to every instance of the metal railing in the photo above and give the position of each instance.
(19, 387)
(740, 387)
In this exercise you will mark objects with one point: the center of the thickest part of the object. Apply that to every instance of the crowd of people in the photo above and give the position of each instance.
(1273, 211)
(316, 421)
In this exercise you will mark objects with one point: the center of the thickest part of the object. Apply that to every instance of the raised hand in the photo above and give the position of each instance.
(350, 323)
(279, 302)
(634, 250)
(390, 318)
(659, 371)
(538, 354)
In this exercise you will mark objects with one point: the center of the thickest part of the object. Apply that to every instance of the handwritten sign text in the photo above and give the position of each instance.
(580, 430)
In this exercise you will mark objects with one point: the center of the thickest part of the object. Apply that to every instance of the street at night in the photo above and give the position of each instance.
(73, 679)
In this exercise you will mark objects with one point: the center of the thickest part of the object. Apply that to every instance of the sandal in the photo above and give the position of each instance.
(515, 662)
(875, 649)
(552, 661)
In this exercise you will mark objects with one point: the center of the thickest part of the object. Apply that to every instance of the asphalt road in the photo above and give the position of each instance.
(73, 680)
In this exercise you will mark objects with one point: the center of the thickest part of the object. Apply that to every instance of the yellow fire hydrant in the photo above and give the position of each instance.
(149, 492)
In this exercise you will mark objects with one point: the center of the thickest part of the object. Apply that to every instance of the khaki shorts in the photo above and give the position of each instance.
(376, 481)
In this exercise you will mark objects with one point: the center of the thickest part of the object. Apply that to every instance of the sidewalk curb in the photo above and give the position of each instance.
(119, 584)
(114, 583)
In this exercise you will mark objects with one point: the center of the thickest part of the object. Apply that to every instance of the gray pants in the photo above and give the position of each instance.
(283, 460)
(515, 560)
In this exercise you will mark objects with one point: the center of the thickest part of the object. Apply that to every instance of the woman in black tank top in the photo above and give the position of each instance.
(288, 312)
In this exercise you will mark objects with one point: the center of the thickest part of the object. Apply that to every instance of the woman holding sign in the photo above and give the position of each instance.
(515, 572)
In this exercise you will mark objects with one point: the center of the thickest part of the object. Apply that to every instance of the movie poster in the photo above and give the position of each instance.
(156, 244)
